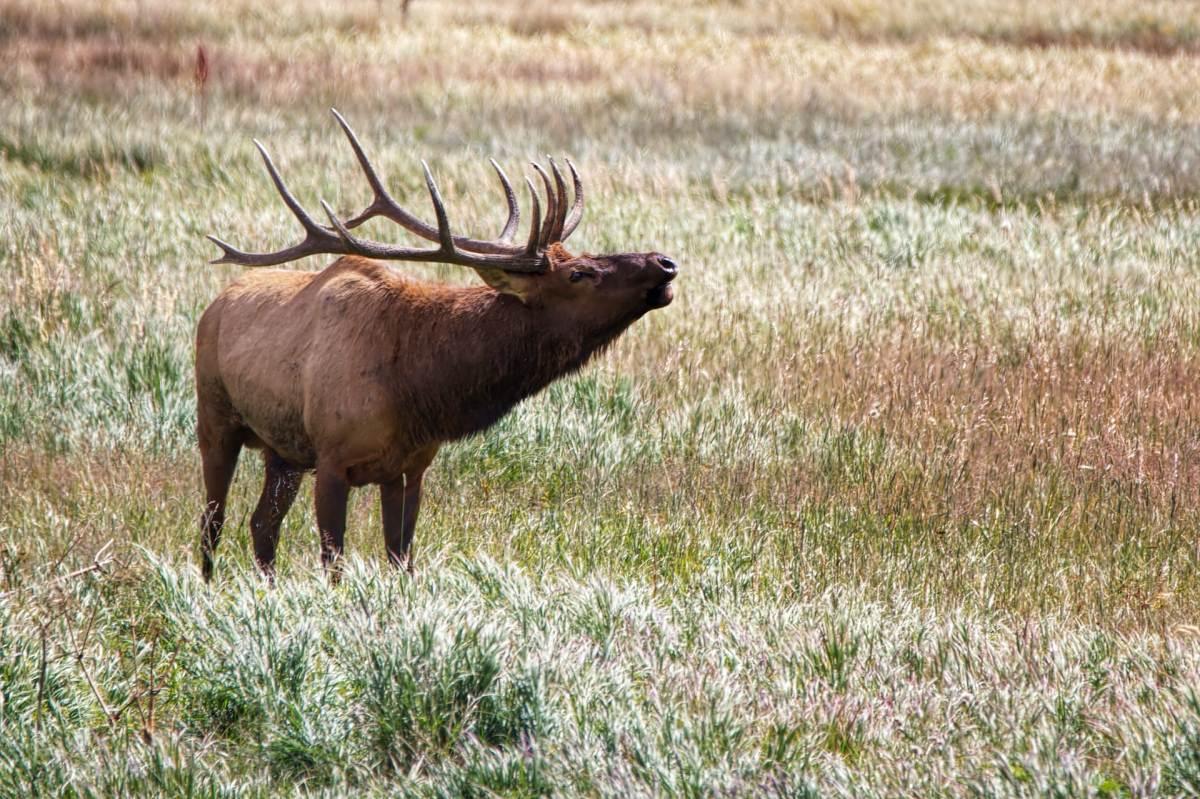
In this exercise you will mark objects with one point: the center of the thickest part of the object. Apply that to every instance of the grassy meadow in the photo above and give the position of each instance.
(901, 496)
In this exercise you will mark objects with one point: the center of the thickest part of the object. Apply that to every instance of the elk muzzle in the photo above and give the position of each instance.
(663, 292)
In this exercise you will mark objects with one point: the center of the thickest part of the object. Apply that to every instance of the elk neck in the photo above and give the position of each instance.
(480, 352)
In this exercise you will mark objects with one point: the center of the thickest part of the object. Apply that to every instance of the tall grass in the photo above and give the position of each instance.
(479, 679)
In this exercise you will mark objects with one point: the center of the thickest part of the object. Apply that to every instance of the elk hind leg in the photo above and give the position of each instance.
(280, 486)
(219, 456)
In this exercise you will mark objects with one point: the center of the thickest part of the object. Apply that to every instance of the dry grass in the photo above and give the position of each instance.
(783, 72)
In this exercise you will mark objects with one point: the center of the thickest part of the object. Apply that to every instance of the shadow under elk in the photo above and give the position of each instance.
(360, 374)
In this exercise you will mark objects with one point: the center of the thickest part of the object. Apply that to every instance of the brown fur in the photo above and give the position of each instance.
(360, 373)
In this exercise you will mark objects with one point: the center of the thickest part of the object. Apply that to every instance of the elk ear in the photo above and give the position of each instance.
(516, 284)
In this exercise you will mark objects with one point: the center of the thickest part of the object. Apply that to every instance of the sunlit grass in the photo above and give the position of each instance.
(478, 677)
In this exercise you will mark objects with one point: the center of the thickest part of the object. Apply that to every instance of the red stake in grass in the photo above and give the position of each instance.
(201, 79)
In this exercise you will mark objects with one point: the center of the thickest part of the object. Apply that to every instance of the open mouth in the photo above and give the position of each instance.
(661, 295)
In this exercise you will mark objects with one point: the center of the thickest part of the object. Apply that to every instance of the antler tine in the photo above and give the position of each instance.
(317, 239)
(514, 211)
(326, 243)
(232, 255)
(576, 214)
(535, 224)
(383, 204)
(374, 249)
(292, 203)
(341, 228)
(551, 206)
(439, 208)
(229, 253)
(560, 216)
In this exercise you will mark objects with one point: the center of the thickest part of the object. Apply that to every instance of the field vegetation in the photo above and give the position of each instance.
(899, 498)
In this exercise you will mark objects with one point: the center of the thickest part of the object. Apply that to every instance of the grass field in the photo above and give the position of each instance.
(899, 498)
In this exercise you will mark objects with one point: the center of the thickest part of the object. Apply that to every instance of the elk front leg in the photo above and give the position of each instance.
(401, 500)
(332, 491)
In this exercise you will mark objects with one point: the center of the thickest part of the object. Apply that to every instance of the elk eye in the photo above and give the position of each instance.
(579, 275)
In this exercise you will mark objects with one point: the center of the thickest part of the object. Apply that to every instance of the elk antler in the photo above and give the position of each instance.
(499, 253)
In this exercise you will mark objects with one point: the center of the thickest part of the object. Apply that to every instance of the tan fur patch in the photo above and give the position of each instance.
(558, 253)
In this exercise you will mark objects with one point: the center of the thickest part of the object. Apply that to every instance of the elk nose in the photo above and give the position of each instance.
(666, 264)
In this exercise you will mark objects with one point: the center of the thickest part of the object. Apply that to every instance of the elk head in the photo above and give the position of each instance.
(599, 293)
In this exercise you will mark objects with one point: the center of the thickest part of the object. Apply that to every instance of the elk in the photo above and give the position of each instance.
(359, 373)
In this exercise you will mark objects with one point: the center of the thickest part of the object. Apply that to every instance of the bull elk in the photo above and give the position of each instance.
(360, 374)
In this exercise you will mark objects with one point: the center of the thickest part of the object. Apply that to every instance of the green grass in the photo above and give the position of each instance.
(898, 498)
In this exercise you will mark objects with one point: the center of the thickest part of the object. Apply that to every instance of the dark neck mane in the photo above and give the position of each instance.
(497, 352)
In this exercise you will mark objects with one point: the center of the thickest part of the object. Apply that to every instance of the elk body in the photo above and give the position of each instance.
(360, 374)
